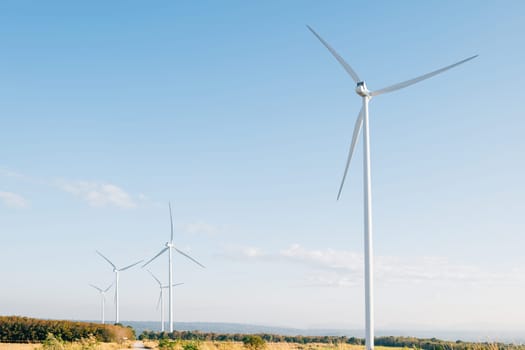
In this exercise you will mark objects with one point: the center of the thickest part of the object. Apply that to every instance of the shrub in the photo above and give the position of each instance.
(30, 330)
(191, 345)
(254, 342)
(53, 343)
(166, 344)
(89, 343)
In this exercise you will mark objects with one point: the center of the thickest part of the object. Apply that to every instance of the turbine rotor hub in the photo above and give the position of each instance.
(361, 89)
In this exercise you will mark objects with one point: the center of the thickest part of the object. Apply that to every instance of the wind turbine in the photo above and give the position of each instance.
(362, 119)
(117, 271)
(161, 299)
(170, 247)
(102, 293)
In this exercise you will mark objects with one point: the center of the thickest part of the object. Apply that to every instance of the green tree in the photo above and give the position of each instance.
(254, 342)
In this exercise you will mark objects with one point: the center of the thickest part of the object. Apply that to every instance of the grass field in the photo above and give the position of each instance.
(101, 346)
(217, 345)
(208, 345)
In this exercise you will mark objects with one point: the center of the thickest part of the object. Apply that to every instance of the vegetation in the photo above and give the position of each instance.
(253, 342)
(229, 345)
(399, 342)
(53, 343)
(30, 330)
(191, 345)
(167, 344)
(202, 336)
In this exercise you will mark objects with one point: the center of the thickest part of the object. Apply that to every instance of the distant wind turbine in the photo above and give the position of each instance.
(117, 271)
(102, 293)
(161, 299)
(170, 247)
(362, 119)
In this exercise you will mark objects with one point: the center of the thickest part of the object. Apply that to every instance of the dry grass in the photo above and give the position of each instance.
(229, 345)
(101, 346)
(20, 346)
(211, 345)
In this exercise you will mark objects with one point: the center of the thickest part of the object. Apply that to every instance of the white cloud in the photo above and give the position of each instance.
(96, 193)
(244, 253)
(252, 252)
(10, 173)
(200, 228)
(99, 194)
(328, 258)
(332, 279)
(13, 200)
(331, 267)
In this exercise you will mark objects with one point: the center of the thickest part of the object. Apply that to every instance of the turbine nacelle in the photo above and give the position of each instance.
(361, 89)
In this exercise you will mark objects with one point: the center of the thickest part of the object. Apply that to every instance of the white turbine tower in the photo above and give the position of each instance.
(161, 299)
(117, 271)
(170, 247)
(102, 293)
(362, 122)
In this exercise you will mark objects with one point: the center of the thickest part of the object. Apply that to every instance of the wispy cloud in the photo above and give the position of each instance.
(246, 253)
(200, 228)
(95, 193)
(5, 172)
(329, 267)
(328, 258)
(10, 173)
(98, 194)
(13, 200)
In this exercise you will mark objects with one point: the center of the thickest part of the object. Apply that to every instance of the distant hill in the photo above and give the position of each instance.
(219, 327)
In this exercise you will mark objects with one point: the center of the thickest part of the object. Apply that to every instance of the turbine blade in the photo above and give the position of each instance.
(158, 302)
(173, 285)
(404, 84)
(130, 266)
(109, 261)
(156, 279)
(171, 222)
(355, 137)
(97, 288)
(155, 257)
(189, 257)
(111, 285)
(345, 65)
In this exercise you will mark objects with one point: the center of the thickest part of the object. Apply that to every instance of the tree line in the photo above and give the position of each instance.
(31, 330)
(403, 342)
(239, 337)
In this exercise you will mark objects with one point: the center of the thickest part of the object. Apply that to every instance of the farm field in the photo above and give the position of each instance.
(228, 345)
(207, 345)
(101, 346)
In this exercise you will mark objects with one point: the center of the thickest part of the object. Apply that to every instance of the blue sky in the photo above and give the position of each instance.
(239, 116)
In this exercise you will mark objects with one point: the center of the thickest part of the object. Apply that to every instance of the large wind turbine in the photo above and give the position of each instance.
(170, 247)
(362, 122)
(161, 299)
(117, 271)
(102, 293)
